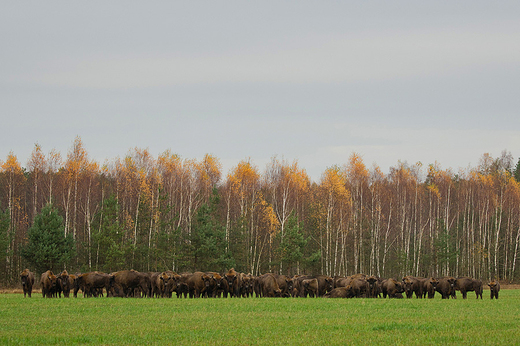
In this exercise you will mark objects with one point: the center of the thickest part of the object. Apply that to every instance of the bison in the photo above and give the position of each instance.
(48, 282)
(342, 281)
(429, 287)
(161, 284)
(268, 286)
(340, 292)
(234, 282)
(494, 288)
(157, 285)
(359, 287)
(65, 283)
(246, 285)
(27, 278)
(181, 285)
(222, 285)
(298, 289)
(210, 290)
(465, 284)
(325, 284)
(285, 283)
(310, 287)
(392, 288)
(196, 285)
(374, 287)
(217, 281)
(446, 287)
(92, 283)
(172, 282)
(129, 281)
(345, 281)
(413, 285)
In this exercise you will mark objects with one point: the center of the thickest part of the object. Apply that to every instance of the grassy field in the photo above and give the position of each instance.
(118, 321)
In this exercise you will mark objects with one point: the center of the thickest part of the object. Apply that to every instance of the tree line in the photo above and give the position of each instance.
(170, 213)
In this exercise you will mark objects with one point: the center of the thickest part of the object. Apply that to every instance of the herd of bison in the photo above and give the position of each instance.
(131, 283)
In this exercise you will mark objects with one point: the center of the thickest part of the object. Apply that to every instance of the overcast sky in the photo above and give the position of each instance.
(309, 81)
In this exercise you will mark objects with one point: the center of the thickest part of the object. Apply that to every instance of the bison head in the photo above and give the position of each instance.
(167, 281)
(63, 282)
(407, 283)
(451, 281)
(434, 282)
(207, 280)
(399, 287)
(165, 278)
(372, 280)
(53, 280)
(329, 282)
(246, 283)
(290, 284)
(349, 291)
(231, 278)
(25, 278)
(218, 280)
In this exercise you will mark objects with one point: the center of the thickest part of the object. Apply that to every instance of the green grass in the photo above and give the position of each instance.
(117, 321)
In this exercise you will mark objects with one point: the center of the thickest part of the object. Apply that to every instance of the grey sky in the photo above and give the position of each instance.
(311, 81)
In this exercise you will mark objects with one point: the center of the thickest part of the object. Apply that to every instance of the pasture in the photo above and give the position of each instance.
(260, 321)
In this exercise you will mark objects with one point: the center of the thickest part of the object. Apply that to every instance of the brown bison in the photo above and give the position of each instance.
(27, 278)
(392, 288)
(247, 282)
(160, 283)
(285, 283)
(216, 287)
(92, 283)
(429, 287)
(181, 285)
(374, 287)
(298, 289)
(342, 281)
(115, 290)
(325, 284)
(196, 285)
(494, 288)
(465, 284)
(345, 281)
(310, 288)
(72, 281)
(234, 281)
(132, 281)
(257, 288)
(210, 290)
(251, 284)
(48, 282)
(413, 285)
(157, 285)
(222, 285)
(359, 287)
(65, 283)
(340, 292)
(446, 287)
(268, 286)
(171, 283)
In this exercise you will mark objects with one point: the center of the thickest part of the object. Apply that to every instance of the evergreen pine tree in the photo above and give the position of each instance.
(5, 239)
(108, 243)
(208, 240)
(48, 248)
(516, 172)
(292, 246)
